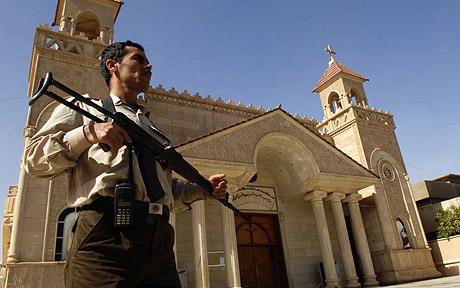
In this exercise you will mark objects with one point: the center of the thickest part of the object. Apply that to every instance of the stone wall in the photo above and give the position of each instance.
(302, 247)
(41, 274)
(446, 255)
(373, 230)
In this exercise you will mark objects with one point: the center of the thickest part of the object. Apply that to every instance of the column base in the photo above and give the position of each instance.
(352, 282)
(371, 281)
(333, 283)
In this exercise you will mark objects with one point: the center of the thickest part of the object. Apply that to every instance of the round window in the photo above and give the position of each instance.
(388, 172)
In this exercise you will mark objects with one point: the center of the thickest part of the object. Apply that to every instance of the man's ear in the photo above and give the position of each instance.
(111, 64)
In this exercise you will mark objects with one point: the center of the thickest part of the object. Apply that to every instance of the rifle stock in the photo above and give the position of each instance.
(164, 151)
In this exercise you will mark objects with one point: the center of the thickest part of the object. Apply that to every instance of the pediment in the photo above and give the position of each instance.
(241, 142)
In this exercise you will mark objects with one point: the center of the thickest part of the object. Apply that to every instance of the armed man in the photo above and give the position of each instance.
(116, 242)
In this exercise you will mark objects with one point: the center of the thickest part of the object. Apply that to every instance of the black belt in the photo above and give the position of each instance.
(141, 209)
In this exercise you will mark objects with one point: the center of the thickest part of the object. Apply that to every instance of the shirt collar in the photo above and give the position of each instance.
(117, 102)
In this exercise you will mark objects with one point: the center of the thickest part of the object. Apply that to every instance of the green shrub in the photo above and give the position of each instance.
(448, 221)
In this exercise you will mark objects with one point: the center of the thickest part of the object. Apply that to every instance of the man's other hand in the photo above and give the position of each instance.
(219, 185)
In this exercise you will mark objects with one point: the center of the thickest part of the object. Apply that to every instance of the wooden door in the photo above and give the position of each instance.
(260, 252)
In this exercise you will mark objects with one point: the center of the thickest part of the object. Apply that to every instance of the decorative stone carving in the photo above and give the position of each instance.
(255, 198)
(30, 131)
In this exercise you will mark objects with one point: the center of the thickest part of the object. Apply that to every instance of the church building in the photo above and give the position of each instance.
(330, 201)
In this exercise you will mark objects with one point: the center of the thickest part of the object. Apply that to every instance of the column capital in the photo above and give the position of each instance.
(30, 131)
(315, 196)
(335, 197)
(352, 198)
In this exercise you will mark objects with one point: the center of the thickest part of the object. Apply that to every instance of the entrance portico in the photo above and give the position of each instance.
(283, 168)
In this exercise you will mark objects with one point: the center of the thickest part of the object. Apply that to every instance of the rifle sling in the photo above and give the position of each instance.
(144, 159)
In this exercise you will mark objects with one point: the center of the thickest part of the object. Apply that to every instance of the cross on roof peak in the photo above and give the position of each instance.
(331, 52)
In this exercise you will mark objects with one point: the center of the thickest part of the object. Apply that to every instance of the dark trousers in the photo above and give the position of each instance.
(107, 257)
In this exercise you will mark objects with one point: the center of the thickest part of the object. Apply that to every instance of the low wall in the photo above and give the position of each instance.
(34, 274)
(399, 266)
(446, 255)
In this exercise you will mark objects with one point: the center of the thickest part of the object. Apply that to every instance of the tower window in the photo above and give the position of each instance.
(334, 102)
(356, 98)
(88, 24)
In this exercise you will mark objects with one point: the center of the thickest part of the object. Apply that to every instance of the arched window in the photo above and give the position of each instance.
(66, 220)
(334, 102)
(88, 24)
(403, 234)
(355, 97)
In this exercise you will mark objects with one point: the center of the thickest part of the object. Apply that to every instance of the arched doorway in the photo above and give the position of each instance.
(260, 252)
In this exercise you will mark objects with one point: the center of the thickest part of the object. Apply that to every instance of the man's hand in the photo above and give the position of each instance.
(219, 185)
(108, 133)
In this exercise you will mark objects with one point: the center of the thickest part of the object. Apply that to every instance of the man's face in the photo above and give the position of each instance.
(135, 70)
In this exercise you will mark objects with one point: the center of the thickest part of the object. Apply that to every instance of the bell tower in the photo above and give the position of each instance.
(344, 101)
(70, 50)
(368, 136)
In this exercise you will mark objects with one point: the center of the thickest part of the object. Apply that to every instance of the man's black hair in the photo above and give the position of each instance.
(115, 51)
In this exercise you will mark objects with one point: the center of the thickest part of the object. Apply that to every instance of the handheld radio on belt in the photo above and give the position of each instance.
(124, 198)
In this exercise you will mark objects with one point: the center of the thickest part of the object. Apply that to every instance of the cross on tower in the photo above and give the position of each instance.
(331, 52)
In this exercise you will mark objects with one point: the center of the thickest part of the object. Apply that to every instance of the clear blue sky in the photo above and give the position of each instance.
(268, 52)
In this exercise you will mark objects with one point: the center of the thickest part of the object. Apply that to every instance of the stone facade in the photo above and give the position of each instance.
(330, 192)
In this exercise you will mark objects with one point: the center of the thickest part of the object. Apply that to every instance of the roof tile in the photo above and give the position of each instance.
(334, 69)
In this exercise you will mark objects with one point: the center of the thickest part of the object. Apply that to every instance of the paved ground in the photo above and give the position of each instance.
(444, 282)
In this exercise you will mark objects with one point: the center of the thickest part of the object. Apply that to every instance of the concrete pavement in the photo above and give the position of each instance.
(444, 282)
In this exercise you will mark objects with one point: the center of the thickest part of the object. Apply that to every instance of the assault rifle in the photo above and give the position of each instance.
(163, 151)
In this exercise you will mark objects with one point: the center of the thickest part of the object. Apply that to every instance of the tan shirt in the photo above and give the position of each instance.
(60, 147)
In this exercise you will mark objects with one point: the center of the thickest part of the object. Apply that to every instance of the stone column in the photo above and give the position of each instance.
(316, 199)
(344, 242)
(14, 254)
(329, 110)
(200, 248)
(47, 231)
(326, 113)
(361, 240)
(73, 27)
(105, 34)
(110, 33)
(65, 23)
(347, 99)
(231, 249)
